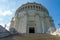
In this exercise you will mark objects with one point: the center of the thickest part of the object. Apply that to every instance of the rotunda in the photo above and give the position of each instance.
(32, 18)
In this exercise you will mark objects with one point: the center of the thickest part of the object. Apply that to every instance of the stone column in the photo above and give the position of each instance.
(47, 23)
(42, 24)
(38, 24)
(22, 24)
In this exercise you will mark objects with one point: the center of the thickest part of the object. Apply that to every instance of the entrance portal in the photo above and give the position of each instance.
(31, 30)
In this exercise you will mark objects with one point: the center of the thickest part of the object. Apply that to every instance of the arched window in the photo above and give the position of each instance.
(39, 7)
(31, 7)
(28, 6)
(36, 7)
(25, 7)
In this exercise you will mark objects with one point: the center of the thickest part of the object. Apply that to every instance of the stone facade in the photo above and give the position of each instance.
(32, 17)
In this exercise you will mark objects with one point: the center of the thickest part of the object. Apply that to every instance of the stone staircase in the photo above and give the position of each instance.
(31, 37)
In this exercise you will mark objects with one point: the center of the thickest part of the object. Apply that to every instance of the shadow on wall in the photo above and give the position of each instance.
(13, 31)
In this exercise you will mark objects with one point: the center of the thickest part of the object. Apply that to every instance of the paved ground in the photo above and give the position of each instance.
(31, 37)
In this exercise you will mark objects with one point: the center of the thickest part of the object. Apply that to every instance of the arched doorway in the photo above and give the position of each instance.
(31, 30)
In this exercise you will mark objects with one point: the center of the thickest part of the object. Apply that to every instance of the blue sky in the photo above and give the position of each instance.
(8, 8)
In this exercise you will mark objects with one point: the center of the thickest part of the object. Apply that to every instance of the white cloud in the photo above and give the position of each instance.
(1, 19)
(8, 24)
(2, 15)
(2, 24)
(5, 13)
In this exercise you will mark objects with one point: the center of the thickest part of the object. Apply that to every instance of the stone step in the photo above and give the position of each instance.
(31, 37)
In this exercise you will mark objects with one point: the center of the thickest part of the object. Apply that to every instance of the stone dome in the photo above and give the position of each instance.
(31, 6)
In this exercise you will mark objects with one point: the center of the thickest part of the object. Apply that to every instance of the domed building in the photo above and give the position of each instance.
(32, 18)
